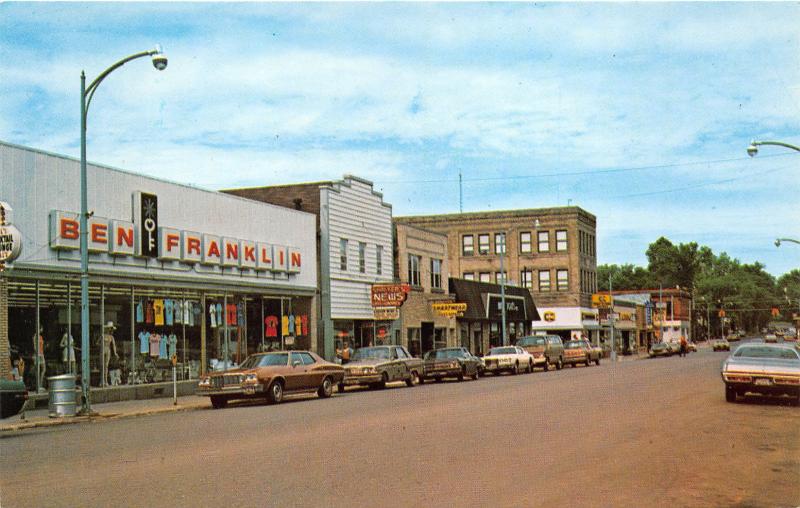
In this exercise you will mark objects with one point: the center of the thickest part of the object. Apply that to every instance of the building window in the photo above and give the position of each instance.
(468, 276)
(593, 246)
(413, 270)
(501, 277)
(499, 243)
(544, 241)
(379, 259)
(436, 273)
(467, 245)
(526, 278)
(544, 280)
(561, 240)
(562, 280)
(343, 254)
(362, 257)
(525, 242)
(483, 244)
(485, 277)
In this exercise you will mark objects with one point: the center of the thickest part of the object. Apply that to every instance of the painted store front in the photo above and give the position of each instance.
(174, 271)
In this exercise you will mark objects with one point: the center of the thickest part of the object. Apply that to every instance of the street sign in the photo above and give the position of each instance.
(448, 309)
(601, 300)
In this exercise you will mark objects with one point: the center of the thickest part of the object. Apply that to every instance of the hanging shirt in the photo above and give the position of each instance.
(304, 321)
(285, 325)
(232, 319)
(212, 312)
(298, 325)
(158, 310)
(219, 315)
(155, 342)
(196, 312)
(240, 314)
(144, 343)
(291, 324)
(177, 308)
(168, 308)
(162, 347)
(148, 312)
(270, 326)
(173, 345)
(139, 312)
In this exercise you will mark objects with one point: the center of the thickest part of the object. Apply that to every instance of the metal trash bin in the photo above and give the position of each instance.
(62, 396)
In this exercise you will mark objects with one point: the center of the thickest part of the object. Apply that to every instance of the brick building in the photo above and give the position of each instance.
(550, 251)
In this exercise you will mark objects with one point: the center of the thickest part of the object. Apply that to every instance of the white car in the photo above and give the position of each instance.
(511, 359)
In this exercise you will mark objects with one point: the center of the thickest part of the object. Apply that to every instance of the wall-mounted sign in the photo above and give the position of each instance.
(145, 208)
(600, 300)
(515, 307)
(389, 295)
(549, 316)
(10, 236)
(625, 316)
(588, 316)
(448, 309)
(386, 313)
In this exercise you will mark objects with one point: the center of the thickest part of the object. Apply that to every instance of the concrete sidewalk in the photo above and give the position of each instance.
(110, 410)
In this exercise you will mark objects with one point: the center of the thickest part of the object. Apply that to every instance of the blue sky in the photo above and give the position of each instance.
(639, 113)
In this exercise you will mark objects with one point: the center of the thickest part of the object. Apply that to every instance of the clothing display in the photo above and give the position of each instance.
(148, 312)
(139, 312)
(298, 325)
(271, 327)
(291, 324)
(219, 315)
(168, 312)
(162, 347)
(240, 314)
(212, 313)
(144, 341)
(285, 325)
(304, 321)
(172, 345)
(158, 310)
(68, 348)
(155, 342)
(231, 312)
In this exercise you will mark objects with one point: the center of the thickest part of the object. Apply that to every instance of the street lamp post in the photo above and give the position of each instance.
(160, 63)
(752, 150)
(504, 339)
(779, 240)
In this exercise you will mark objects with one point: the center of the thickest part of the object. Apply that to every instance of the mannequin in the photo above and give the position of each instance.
(68, 351)
(109, 346)
(38, 344)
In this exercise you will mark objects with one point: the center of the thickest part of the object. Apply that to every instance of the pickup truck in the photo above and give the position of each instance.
(580, 351)
(375, 366)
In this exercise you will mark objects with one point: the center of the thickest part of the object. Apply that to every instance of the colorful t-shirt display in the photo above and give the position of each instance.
(285, 325)
(148, 312)
(173, 345)
(291, 324)
(212, 313)
(155, 342)
(168, 312)
(304, 320)
(220, 321)
(144, 343)
(162, 347)
(139, 312)
(158, 311)
(298, 325)
(270, 326)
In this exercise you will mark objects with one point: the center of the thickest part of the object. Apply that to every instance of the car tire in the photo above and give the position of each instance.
(384, 381)
(516, 369)
(546, 364)
(530, 367)
(275, 392)
(326, 388)
(476, 375)
(341, 387)
(559, 364)
(588, 361)
(462, 374)
(422, 380)
(218, 401)
(413, 379)
(730, 394)
(597, 362)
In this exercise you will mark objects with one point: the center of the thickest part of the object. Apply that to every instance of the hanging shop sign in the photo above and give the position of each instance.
(389, 295)
(515, 307)
(10, 236)
(588, 316)
(448, 309)
(550, 316)
(600, 300)
(146, 239)
(386, 313)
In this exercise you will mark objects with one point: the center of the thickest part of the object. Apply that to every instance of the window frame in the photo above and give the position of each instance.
(559, 241)
(468, 276)
(343, 254)
(488, 250)
(545, 284)
(412, 280)
(362, 257)
(464, 245)
(559, 280)
(497, 244)
(545, 242)
(488, 277)
(522, 278)
(379, 259)
(522, 243)
(436, 274)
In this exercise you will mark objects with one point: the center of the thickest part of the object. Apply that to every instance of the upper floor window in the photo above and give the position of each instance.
(499, 243)
(468, 276)
(379, 259)
(483, 244)
(436, 273)
(413, 270)
(562, 280)
(362, 257)
(544, 241)
(485, 277)
(501, 278)
(525, 242)
(544, 280)
(467, 245)
(343, 254)
(526, 278)
(561, 240)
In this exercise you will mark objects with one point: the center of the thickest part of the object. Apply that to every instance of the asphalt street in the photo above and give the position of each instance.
(640, 433)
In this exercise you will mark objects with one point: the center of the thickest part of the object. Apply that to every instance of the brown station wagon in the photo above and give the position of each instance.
(270, 376)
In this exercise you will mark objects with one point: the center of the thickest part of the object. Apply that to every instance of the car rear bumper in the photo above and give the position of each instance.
(362, 380)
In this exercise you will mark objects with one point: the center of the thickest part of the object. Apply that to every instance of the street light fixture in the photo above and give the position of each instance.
(160, 63)
(752, 150)
(779, 240)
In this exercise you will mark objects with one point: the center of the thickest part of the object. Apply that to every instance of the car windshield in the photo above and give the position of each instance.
(372, 353)
(573, 344)
(502, 351)
(265, 360)
(531, 341)
(444, 354)
(765, 352)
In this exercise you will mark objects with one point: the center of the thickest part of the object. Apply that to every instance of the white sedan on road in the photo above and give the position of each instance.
(511, 359)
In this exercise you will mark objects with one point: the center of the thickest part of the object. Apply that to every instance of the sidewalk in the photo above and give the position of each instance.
(39, 417)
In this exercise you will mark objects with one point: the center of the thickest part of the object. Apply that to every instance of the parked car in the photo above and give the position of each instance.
(453, 362)
(721, 345)
(733, 337)
(770, 337)
(375, 366)
(659, 349)
(271, 376)
(579, 351)
(511, 359)
(547, 350)
(691, 347)
(13, 395)
(766, 369)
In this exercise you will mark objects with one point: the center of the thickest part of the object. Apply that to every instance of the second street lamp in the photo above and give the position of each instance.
(752, 150)
(160, 63)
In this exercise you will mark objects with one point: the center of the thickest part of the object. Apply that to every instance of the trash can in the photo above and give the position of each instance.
(62, 396)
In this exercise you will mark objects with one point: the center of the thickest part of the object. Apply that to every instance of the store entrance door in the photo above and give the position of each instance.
(426, 334)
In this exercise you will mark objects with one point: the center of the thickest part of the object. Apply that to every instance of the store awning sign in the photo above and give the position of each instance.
(549, 316)
(389, 295)
(10, 236)
(449, 309)
(386, 313)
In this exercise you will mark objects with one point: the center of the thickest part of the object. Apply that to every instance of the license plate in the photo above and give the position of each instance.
(250, 389)
(763, 382)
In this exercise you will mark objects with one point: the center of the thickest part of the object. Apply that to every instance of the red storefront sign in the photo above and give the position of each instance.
(389, 295)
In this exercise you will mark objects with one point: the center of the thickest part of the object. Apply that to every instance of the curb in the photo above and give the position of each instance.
(96, 418)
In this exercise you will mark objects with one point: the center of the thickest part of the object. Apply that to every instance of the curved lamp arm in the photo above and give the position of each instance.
(752, 150)
(94, 84)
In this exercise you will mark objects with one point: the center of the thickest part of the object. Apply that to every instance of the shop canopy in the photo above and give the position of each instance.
(483, 301)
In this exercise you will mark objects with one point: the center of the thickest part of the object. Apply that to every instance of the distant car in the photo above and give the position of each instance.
(547, 350)
(511, 359)
(659, 349)
(13, 395)
(733, 337)
(692, 347)
(579, 351)
(453, 362)
(770, 337)
(721, 345)
(375, 366)
(271, 376)
(766, 369)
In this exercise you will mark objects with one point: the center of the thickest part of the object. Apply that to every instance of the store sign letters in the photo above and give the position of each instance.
(389, 295)
(122, 238)
(10, 237)
(447, 309)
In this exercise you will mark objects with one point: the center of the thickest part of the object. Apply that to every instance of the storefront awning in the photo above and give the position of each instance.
(483, 300)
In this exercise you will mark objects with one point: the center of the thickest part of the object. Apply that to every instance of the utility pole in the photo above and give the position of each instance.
(611, 319)
(661, 312)
(460, 193)
(504, 340)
